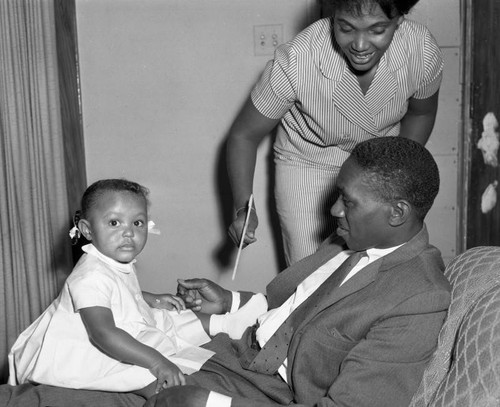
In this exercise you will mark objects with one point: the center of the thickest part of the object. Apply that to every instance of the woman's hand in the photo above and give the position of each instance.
(236, 228)
(246, 133)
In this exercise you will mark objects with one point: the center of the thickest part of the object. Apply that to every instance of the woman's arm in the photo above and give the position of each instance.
(118, 344)
(418, 122)
(246, 133)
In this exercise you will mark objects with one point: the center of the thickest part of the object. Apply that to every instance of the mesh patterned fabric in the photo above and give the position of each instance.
(474, 376)
(465, 368)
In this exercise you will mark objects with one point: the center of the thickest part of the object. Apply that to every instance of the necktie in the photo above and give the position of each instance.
(273, 354)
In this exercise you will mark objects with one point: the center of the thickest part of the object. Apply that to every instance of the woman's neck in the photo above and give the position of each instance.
(365, 78)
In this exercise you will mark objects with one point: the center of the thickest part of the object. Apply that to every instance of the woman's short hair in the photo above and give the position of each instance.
(391, 8)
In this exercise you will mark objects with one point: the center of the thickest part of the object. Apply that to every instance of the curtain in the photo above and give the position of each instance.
(35, 253)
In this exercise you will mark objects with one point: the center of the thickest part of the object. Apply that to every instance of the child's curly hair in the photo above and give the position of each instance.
(98, 188)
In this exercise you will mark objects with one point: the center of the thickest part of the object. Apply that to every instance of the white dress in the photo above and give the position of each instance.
(55, 349)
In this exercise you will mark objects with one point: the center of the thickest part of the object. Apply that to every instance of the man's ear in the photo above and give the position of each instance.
(84, 227)
(400, 212)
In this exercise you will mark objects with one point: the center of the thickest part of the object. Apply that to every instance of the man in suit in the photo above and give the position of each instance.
(339, 334)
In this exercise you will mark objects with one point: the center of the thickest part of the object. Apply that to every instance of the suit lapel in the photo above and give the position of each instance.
(359, 281)
(331, 294)
(409, 250)
(286, 282)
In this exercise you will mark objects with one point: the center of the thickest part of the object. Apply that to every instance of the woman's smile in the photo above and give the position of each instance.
(361, 59)
(364, 37)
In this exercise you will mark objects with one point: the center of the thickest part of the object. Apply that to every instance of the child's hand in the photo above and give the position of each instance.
(169, 302)
(168, 374)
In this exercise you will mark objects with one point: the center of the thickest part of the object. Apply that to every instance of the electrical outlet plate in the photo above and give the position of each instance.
(267, 38)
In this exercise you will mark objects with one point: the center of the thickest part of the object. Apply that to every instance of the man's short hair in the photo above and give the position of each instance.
(399, 168)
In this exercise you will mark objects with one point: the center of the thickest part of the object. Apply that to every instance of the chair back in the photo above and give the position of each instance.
(465, 368)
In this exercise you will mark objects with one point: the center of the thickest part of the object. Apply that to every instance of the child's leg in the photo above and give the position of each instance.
(191, 327)
(234, 324)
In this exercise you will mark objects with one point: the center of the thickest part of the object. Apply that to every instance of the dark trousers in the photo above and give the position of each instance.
(28, 395)
(224, 373)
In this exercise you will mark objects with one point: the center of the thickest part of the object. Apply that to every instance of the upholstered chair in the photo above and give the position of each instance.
(465, 368)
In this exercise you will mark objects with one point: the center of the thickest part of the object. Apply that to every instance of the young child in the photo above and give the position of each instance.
(102, 332)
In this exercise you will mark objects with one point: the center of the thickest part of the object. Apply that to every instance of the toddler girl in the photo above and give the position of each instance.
(102, 332)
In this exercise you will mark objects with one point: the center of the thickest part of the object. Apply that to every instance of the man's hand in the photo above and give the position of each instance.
(179, 396)
(200, 294)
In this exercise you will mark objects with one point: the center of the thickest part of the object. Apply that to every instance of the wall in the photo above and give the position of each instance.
(161, 81)
(483, 113)
(443, 19)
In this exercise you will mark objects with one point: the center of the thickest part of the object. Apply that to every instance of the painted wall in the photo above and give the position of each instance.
(161, 81)
(443, 19)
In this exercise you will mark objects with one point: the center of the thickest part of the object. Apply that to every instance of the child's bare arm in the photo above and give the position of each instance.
(118, 344)
(166, 301)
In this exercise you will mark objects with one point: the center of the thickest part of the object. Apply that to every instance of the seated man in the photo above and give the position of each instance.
(353, 324)
(357, 334)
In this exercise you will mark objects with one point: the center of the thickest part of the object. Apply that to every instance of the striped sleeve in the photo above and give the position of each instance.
(433, 68)
(275, 92)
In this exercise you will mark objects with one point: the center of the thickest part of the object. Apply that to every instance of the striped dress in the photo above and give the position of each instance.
(324, 114)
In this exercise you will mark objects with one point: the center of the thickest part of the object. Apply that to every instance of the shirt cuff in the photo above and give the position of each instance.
(235, 306)
(218, 400)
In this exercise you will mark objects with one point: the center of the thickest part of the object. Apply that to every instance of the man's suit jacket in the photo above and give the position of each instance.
(367, 343)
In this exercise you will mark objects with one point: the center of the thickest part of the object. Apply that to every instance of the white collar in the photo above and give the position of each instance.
(374, 254)
(122, 267)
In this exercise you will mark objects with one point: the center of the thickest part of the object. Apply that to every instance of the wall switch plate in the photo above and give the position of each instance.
(267, 38)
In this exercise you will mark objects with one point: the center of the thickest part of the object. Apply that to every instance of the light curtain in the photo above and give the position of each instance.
(34, 217)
